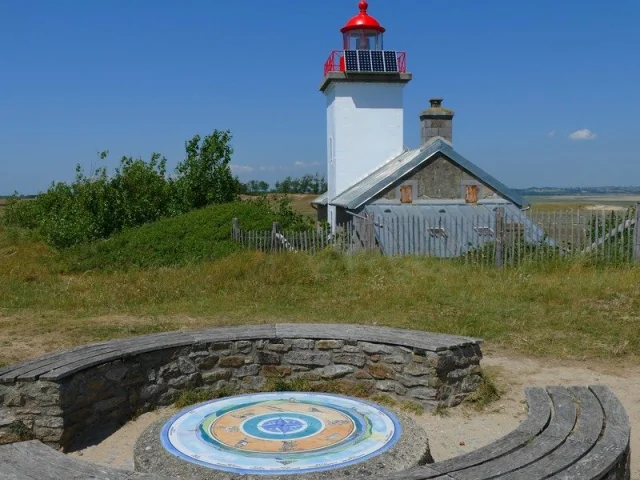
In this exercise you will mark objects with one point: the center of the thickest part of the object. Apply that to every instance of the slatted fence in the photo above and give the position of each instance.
(500, 238)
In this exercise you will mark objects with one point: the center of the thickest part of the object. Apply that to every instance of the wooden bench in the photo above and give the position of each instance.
(570, 433)
(580, 433)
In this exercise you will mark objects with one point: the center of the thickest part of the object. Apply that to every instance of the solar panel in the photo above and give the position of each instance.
(390, 61)
(364, 60)
(351, 60)
(377, 61)
(370, 61)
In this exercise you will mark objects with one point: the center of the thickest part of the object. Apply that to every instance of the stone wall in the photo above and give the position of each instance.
(438, 179)
(99, 399)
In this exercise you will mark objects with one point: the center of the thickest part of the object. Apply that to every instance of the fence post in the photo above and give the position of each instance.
(636, 235)
(369, 233)
(235, 229)
(499, 236)
(275, 229)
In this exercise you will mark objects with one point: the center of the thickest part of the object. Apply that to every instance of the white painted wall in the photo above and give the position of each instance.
(365, 128)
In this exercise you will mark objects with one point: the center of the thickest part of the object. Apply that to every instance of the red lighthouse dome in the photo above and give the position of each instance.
(363, 32)
(363, 21)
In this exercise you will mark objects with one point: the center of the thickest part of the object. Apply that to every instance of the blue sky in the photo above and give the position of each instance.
(78, 77)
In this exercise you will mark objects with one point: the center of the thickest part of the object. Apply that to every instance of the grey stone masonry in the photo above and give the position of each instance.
(436, 121)
(63, 398)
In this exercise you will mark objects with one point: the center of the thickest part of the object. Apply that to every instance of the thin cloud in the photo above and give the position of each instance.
(305, 164)
(271, 168)
(584, 134)
(241, 168)
(552, 133)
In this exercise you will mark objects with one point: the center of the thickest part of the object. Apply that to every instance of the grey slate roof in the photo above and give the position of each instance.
(403, 165)
(403, 229)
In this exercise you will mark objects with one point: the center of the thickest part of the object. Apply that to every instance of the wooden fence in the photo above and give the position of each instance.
(502, 238)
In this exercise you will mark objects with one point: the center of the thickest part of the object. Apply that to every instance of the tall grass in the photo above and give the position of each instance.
(565, 311)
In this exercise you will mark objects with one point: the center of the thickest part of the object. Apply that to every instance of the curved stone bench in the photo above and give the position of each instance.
(67, 399)
(570, 433)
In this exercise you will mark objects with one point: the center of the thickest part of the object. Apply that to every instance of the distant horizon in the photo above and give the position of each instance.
(591, 187)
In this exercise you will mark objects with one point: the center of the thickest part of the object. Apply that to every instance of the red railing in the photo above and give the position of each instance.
(335, 62)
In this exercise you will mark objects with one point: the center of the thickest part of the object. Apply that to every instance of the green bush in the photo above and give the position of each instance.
(204, 177)
(97, 205)
(199, 235)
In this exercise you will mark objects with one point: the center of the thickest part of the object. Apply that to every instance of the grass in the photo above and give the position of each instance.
(184, 273)
(569, 202)
(563, 311)
(300, 202)
(489, 391)
(191, 397)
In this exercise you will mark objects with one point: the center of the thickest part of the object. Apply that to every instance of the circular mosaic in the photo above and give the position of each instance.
(280, 433)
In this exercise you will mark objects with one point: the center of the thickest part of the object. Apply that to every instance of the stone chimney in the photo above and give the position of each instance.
(436, 121)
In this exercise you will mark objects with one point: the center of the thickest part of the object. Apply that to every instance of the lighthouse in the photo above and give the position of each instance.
(363, 84)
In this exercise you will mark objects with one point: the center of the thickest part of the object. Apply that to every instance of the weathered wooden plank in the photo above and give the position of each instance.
(537, 419)
(10, 372)
(579, 442)
(258, 332)
(33, 460)
(33, 372)
(612, 448)
(591, 419)
(120, 351)
(416, 473)
(12, 471)
(561, 425)
(540, 410)
(393, 336)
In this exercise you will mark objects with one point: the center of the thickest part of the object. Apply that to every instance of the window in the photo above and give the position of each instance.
(407, 191)
(406, 194)
(437, 231)
(471, 193)
(484, 231)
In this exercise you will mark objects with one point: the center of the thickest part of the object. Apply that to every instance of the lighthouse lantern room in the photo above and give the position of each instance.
(363, 32)
(363, 84)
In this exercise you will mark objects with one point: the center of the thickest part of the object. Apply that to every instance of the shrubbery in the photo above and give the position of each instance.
(97, 205)
(203, 234)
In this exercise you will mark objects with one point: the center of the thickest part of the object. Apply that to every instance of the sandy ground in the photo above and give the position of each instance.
(463, 429)
(607, 208)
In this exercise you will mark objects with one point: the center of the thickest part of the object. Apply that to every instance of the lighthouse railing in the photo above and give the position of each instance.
(336, 62)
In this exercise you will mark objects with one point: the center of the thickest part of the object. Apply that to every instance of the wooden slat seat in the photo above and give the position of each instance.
(35, 461)
(576, 433)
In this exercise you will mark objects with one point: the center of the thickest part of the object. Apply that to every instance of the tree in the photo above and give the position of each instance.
(306, 184)
(204, 177)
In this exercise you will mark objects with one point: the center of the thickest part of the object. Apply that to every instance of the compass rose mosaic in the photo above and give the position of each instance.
(280, 433)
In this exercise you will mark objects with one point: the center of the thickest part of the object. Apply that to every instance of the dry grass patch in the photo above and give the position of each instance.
(563, 311)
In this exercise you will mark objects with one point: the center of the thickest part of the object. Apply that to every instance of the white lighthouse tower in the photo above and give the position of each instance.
(363, 84)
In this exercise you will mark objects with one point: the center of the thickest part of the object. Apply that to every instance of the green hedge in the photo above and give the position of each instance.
(191, 238)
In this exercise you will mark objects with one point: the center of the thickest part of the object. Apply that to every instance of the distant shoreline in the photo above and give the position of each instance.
(526, 192)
